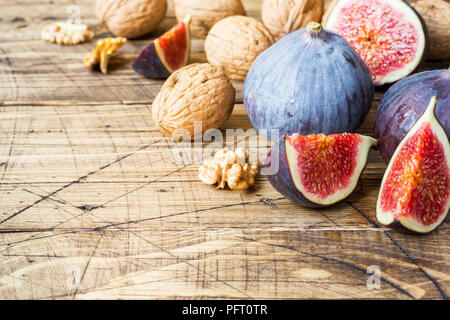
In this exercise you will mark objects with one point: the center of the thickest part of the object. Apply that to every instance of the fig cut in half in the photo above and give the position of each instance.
(389, 35)
(166, 54)
(318, 170)
(415, 191)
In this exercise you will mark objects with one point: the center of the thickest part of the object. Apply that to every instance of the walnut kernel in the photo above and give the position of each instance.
(66, 33)
(229, 168)
(103, 52)
(242, 176)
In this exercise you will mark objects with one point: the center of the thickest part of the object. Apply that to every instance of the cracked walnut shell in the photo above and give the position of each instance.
(206, 13)
(66, 33)
(131, 18)
(229, 168)
(194, 93)
(285, 16)
(234, 43)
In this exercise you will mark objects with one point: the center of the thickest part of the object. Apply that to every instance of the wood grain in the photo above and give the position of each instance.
(92, 205)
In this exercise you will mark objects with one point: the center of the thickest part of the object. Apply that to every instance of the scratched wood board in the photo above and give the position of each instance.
(93, 206)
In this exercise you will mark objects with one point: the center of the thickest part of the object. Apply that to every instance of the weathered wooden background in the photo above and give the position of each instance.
(93, 207)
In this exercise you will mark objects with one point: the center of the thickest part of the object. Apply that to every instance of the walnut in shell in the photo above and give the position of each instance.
(196, 92)
(131, 18)
(206, 13)
(234, 43)
(327, 8)
(436, 14)
(284, 16)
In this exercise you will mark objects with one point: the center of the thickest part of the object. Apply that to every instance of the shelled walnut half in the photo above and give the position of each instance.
(102, 53)
(66, 33)
(229, 168)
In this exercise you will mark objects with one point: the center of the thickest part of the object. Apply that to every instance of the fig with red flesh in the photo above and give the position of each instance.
(318, 170)
(405, 102)
(166, 54)
(415, 191)
(389, 35)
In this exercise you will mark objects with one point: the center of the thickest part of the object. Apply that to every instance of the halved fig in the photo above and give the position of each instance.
(405, 102)
(318, 170)
(389, 35)
(167, 53)
(415, 191)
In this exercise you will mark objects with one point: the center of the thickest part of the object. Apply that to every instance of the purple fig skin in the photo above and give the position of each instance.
(282, 180)
(308, 82)
(149, 64)
(405, 102)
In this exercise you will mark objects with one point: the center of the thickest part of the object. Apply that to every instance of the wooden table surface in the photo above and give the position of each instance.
(92, 205)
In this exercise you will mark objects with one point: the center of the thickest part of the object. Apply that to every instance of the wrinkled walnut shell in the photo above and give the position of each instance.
(131, 18)
(285, 16)
(235, 42)
(327, 8)
(436, 14)
(206, 13)
(196, 92)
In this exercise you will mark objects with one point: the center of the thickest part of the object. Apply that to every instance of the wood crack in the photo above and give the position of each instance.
(71, 183)
(86, 267)
(146, 227)
(403, 250)
(342, 262)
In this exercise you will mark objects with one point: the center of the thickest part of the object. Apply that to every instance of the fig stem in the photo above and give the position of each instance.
(314, 27)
